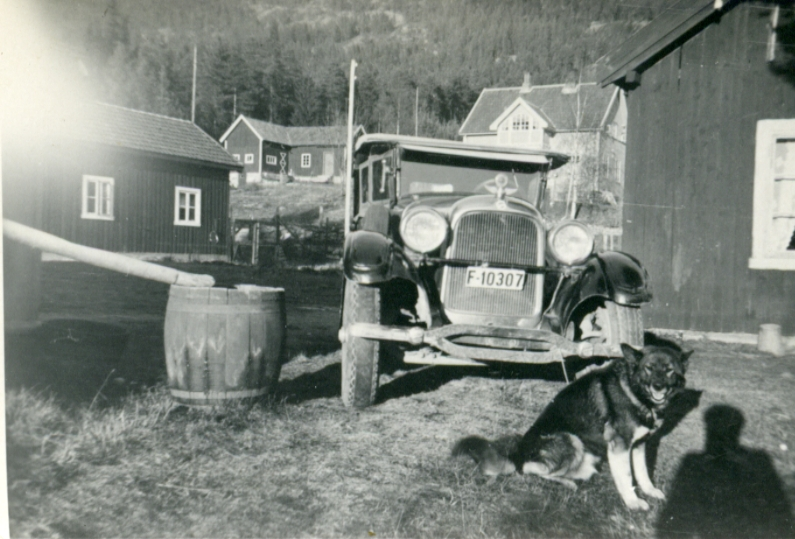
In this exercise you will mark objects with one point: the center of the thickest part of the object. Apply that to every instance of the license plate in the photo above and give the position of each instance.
(503, 279)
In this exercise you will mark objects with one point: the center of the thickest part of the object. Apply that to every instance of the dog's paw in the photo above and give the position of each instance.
(636, 504)
(655, 493)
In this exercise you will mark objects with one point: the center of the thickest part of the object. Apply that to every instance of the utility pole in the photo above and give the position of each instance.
(349, 160)
(193, 93)
(416, 110)
(397, 127)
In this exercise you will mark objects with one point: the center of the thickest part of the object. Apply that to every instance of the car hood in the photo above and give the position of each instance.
(454, 206)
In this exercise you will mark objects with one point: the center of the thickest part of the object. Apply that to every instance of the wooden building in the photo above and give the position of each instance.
(710, 171)
(137, 183)
(277, 153)
(583, 120)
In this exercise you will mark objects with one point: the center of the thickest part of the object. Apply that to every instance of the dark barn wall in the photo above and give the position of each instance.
(242, 141)
(21, 195)
(316, 168)
(143, 203)
(276, 150)
(690, 177)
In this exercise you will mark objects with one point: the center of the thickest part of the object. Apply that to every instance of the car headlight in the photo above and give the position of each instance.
(570, 242)
(423, 230)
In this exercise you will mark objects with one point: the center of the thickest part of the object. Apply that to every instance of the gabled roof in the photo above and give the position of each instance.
(292, 136)
(672, 27)
(559, 103)
(519, 102)
(143, 131)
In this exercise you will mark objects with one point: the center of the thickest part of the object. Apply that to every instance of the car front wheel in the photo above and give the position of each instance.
(609, 323)
(360, 356)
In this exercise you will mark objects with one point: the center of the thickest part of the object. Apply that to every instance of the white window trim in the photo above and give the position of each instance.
(236, 156)
(271, 160)
(84, 213)
(197, 221)
(306, 158)
(762, 256)
(249, 159)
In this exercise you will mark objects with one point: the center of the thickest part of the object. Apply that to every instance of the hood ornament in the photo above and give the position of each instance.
(501, 181)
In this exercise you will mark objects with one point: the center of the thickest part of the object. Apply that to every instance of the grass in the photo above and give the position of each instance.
(302, 465)
(146, 467)
(294, 201)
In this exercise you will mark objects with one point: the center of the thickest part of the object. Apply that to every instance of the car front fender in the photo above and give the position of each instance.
(611, 275)
(371, 258)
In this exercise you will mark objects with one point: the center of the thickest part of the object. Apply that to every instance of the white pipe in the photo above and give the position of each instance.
(103, 259)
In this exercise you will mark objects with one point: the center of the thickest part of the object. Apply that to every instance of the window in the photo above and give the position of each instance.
(97, 198)
(236, 156)
(270, 159)
(187, 206)
(249, 158)
(306, 160)
(774, 196)
(521, 122)
(380, 188)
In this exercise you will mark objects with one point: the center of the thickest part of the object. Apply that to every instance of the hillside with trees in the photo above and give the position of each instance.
(287, 61)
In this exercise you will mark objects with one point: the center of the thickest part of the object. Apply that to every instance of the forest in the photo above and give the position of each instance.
(421, 63)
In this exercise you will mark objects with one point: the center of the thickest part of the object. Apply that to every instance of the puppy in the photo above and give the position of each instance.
(606, 414)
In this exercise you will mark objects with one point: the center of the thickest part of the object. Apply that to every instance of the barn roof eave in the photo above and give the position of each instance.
(655, 40)
(231, 166)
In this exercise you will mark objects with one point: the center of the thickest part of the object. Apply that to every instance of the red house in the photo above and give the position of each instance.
(273, 152)
(710, 173)
(138, 183)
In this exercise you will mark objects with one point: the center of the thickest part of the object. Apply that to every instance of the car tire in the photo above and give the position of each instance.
(360, 357)
(609, 323)
(625, 324)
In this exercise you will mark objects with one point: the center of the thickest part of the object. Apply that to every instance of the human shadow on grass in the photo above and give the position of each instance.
(727, 490)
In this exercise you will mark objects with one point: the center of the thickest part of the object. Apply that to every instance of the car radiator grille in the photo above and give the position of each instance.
(495, 238)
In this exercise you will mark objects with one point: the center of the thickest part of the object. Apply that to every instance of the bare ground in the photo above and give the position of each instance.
(307, 467)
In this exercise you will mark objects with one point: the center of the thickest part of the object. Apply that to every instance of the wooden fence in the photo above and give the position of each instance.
(274, 242)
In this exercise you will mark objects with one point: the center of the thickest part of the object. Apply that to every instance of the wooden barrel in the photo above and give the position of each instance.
(224, 344)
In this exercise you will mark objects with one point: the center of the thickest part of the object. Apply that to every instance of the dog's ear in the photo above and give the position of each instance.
(632, 355)
(685, 356)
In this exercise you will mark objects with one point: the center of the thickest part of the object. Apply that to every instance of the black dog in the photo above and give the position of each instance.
(607, 413)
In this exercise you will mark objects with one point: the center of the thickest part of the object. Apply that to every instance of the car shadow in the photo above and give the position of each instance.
(320, 384)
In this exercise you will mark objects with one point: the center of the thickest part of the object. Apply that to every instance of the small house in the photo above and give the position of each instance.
(583, 120)
(710, 167)
(137, 183)
(273, 152)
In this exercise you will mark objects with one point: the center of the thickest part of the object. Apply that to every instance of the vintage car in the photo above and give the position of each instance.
(448, 260)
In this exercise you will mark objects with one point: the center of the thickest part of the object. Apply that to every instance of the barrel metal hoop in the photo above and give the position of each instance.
(217, 395)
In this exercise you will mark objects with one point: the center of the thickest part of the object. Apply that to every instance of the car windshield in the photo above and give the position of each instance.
(467, 176)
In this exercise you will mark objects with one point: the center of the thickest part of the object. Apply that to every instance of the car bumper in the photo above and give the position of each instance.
(520, 345)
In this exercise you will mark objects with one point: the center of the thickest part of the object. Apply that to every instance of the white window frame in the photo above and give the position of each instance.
(97, 213)
(197, 206)
(236, 156)
(249, 159)
(521, 121)
(764, 255)
(306, 160)
(270, 160)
